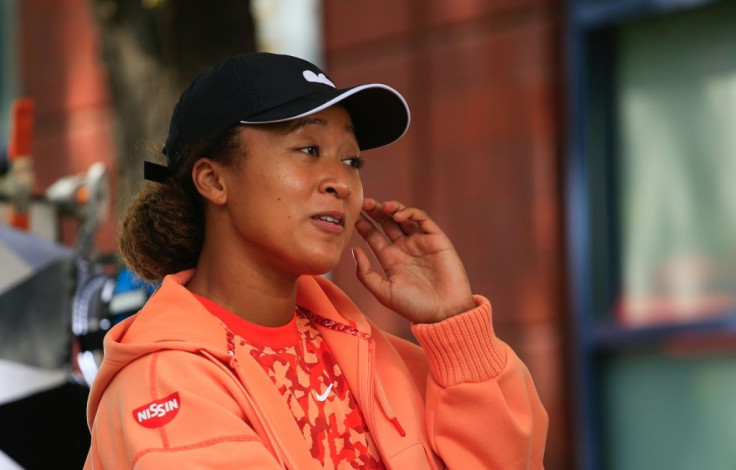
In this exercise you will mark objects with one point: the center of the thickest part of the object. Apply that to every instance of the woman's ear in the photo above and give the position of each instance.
(209, 180)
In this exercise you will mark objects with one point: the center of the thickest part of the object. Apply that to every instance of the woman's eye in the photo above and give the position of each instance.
(355, 162)
(311, 150)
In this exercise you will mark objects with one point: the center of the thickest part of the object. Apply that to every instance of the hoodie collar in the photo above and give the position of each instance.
(174, 319)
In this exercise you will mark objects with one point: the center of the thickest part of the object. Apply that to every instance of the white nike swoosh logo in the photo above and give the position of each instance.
(322, 397)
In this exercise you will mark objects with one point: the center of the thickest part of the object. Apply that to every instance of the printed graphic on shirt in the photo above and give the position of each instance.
(158, 412)
(314, 389)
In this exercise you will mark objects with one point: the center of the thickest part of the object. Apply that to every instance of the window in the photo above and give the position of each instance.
(652, 231)
(676, 95)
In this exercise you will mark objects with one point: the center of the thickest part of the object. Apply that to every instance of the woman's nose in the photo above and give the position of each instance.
(336, 181)
(337, 186)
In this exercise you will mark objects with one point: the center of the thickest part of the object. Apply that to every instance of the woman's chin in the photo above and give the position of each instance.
(320, 270)
(322, 265)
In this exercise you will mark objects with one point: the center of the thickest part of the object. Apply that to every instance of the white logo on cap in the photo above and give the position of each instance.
(313, 77)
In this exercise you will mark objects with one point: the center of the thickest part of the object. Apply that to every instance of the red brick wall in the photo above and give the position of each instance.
(483, 79)
(482, 156)
(61, 69)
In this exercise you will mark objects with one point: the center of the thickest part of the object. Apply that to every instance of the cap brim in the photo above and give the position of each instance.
(380, 114)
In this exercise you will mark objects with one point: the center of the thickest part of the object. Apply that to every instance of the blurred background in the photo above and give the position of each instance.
(580, 154)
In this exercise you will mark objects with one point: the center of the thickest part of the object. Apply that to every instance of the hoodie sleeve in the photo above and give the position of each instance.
(483, 410)
(173, 409)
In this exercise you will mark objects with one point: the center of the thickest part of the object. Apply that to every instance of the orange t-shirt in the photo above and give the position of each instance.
(305, 372)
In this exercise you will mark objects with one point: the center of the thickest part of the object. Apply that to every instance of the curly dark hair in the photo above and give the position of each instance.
(162, 230)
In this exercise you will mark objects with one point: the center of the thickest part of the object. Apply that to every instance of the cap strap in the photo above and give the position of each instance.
(155, 172)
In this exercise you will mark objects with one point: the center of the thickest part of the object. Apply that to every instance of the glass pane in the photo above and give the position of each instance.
(8, 64)
(676, 102)
(669, 412)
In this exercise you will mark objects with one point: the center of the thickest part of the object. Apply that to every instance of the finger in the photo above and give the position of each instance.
(384, 215)
(371, 232)
(391, 207)
(386, 212)
(369, 204)
(408, 226)
(381, 217)
(369, 277)
(419, 217)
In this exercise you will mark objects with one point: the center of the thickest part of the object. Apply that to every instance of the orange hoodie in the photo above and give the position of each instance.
(170, 395)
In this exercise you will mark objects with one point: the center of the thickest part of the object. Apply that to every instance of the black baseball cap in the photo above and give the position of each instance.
(260, 88)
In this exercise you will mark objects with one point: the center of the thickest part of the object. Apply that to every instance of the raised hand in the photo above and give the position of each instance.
(425, 280)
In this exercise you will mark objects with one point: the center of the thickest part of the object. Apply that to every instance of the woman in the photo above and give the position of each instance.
(246, 357)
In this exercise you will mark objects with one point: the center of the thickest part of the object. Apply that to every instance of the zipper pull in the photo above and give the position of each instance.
(398, 427)
(386, 406)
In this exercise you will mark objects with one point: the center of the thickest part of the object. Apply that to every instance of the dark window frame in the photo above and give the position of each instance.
(590, 188)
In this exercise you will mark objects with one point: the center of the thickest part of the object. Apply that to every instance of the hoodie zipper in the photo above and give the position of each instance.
(371, 387)
(386, 405)
(365, 373)
(373, 383)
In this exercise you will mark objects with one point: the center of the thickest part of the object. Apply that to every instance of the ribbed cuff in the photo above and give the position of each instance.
(462, 348)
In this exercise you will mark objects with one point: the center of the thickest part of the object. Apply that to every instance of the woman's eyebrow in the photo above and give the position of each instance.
(298, 124)
(306, 121)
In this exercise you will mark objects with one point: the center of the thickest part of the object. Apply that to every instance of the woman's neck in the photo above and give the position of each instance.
(254, 295)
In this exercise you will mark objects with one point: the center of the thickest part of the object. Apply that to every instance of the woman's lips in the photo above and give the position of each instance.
(333, 222)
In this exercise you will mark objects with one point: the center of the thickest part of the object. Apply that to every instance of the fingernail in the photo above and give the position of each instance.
(352, 252)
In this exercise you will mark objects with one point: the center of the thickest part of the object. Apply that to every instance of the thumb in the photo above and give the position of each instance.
(372, 280)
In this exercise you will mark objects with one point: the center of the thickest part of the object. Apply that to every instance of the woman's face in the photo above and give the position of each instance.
(294, 198)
